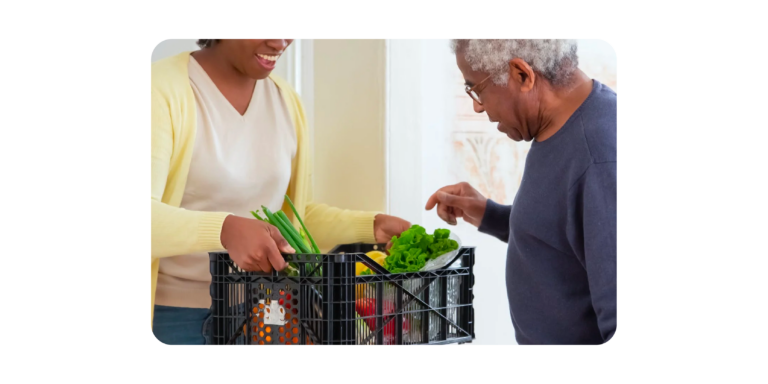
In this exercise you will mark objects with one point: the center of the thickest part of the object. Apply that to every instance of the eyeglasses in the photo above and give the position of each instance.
(475, 94)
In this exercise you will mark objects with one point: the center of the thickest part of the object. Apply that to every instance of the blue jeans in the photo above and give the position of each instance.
(182, 326)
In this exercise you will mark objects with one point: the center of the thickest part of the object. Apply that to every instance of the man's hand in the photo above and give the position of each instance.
(386, 226)
(254, 245)
(458, 200)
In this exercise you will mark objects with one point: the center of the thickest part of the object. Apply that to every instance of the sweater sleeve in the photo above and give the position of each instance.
(496, 220)
(175, 231)
(595, 198)
(331, 226)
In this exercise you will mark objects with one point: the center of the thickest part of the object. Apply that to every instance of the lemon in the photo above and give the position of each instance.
(377, 256)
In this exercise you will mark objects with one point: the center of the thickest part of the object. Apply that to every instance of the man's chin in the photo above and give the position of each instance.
(514, 135)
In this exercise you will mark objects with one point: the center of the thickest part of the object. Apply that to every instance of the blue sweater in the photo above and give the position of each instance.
(561, 231)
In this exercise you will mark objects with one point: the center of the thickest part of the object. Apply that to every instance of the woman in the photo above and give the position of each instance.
(228, 137)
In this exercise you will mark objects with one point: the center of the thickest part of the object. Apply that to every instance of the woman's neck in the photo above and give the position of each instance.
(221, 71)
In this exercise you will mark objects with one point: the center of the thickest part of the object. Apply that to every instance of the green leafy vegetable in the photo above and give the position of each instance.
(411, 251)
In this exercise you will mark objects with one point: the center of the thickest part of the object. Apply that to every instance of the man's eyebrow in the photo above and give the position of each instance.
(468, 83)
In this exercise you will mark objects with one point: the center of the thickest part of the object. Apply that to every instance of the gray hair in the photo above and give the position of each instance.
(555, 60)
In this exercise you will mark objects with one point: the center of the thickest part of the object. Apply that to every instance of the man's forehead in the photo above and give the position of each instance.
(471, 77)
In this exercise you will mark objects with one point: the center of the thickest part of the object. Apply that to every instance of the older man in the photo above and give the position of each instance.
(561, 227)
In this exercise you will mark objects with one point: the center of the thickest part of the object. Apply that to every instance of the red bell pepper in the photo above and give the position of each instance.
(366, 308)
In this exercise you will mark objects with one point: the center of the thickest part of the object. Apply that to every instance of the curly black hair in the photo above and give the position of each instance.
(206, 43)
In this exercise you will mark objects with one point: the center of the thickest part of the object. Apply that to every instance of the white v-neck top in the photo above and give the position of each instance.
(239, 163)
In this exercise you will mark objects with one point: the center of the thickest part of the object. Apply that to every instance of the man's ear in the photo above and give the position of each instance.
(521, 75)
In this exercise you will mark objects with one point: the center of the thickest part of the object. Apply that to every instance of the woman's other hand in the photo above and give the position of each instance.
(386, 226)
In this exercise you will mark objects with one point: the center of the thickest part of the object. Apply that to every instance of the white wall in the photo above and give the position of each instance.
(172, 47)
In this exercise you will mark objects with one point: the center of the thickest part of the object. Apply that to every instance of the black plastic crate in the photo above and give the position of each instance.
(327, 304)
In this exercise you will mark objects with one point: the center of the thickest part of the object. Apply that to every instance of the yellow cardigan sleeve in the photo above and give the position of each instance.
(175, 231)
(331, 226)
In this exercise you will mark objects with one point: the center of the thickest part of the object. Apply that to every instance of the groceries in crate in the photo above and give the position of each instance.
(408, 313)
(366, 309)
(410, 252)
(413, 249)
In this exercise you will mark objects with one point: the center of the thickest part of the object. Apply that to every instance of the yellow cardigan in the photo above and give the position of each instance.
(176, 231)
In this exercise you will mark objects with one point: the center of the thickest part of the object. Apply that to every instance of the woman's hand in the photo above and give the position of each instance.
(386, 226)
(254, 245)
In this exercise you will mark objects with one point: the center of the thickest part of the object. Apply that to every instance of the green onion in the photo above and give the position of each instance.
(314, 245)
(256, 215)
(315, 248)
(296, 235)
(287, 230)
(305, 238)
(295, 238)
(279, 215)
(283, 231)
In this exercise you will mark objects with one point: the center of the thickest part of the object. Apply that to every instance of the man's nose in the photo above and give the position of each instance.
(478, 107)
